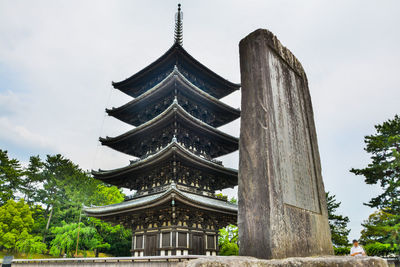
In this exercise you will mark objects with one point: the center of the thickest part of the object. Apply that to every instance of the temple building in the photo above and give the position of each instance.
(175, 112)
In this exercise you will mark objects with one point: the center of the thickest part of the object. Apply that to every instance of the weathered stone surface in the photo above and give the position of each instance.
(289, 262)
(282, 206)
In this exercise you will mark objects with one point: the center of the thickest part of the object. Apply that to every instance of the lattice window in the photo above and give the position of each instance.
(166, 239)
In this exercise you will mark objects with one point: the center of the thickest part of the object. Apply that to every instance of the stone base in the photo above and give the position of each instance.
(326, 261)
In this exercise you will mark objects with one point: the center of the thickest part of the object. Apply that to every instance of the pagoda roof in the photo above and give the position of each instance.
(130, 141)
(130, 111)
(176, 55)
(145, 202)
(174, 150)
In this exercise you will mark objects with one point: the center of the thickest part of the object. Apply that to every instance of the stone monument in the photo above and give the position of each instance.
(282, 206)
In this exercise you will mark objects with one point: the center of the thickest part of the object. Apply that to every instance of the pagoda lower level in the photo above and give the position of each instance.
(174, 143)
(171, 222)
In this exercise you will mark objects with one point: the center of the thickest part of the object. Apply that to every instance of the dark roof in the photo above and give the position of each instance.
(207, 80)
(131, 111)
(173, 150)
(131, 141)
(194, 200)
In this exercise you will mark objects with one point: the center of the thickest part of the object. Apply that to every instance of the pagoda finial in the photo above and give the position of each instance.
(179, 26)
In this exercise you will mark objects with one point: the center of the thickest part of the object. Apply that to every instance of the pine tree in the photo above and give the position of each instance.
(384, 147)
(337, 223)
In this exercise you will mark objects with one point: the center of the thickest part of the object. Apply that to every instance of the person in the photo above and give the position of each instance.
(357, 250)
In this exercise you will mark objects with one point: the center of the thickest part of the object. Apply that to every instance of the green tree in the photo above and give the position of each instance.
(10, 177)
(16, 223)
(59, 175)
(117, 236)
(381, 227)
(66, 237)
(228, 241)
(228, 236)
(39, 219)
(30, 244)
(384, 147)
(65, 187)
(56, 190)
(95, 234)
(105, 195)
(32, 180)
(384, 169)
(337, 223)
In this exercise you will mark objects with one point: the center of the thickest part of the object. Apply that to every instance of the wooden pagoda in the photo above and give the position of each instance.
(176, 111)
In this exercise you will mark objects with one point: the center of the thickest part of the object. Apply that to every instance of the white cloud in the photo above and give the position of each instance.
(9, 101)
(21, 136)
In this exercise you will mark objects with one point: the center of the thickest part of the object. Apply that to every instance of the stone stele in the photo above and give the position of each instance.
(282, 206)
(289, 262)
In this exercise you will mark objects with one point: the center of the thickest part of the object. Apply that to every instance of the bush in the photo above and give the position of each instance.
(229, 249)
(341, 250)
(379, 249)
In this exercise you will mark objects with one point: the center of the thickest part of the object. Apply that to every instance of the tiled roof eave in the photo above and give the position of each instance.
(175, 49)
(170, 111)
(173, 147)
(190, 86)
(158, 199)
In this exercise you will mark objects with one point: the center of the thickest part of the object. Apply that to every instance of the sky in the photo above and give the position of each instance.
(58, 58)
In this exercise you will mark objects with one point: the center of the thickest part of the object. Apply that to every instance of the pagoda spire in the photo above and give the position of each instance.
(179, 26)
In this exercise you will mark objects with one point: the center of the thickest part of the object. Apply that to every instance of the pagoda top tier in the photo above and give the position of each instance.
(193, 70)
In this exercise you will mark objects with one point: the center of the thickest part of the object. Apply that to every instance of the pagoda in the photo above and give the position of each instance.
(175, 112)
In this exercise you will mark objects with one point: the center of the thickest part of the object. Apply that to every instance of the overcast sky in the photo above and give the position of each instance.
(58, 58)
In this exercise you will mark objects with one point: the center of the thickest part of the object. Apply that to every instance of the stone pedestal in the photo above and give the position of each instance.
(282, 206)
(290, 262)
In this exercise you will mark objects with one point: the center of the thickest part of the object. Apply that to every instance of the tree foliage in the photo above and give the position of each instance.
(117, 236)
(228, 241)
(55, 190)
(381, 227)
(32, 180)
(16, 223)
(10, 177)
(66, 237)
(384, 170)
(337, 223)
(384, 147)
(30, 244)
(105, 195)
(382, 250)
(228, 236)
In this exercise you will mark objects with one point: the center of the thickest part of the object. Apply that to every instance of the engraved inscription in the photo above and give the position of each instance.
(295, 163)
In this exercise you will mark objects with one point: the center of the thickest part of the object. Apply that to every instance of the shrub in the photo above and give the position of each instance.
(379, 249)
(341, 250)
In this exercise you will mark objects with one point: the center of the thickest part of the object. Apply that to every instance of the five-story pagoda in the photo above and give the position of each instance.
(176, 111)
